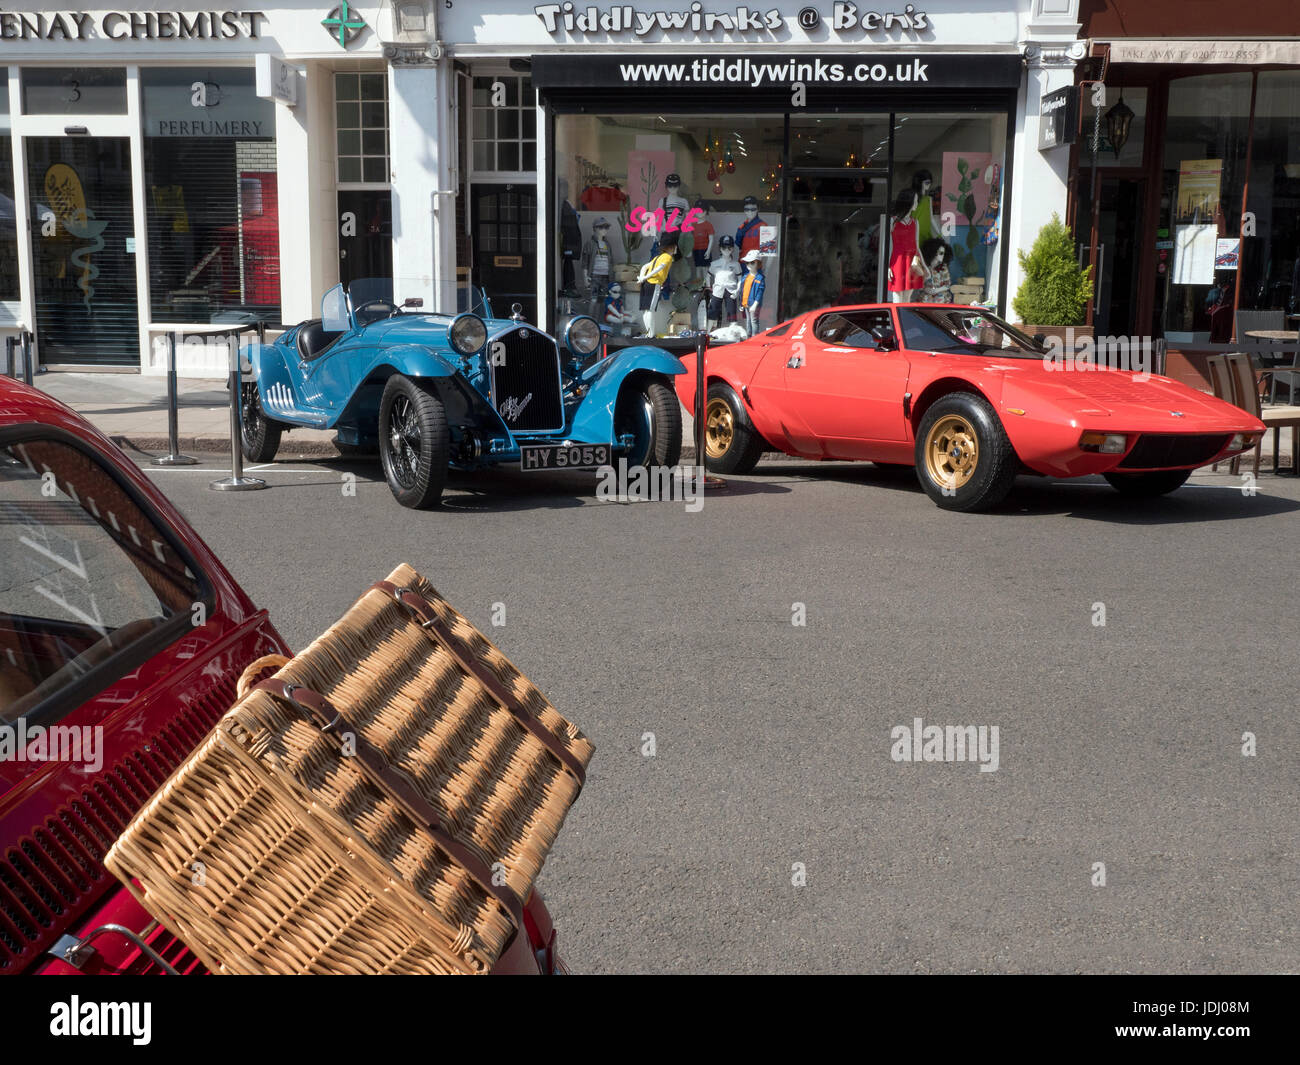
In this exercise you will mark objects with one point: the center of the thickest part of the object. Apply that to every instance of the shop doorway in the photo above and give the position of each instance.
(503, 228)
(832, 239)
(1119, 253)
(365, 234)
(83, 250)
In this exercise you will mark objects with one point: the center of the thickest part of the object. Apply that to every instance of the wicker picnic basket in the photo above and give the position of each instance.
(382, 803)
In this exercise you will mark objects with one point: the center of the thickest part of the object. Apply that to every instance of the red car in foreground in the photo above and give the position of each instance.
(121, 639)
(960, 395)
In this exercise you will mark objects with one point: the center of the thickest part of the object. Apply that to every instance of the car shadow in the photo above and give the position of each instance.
(1088, 498)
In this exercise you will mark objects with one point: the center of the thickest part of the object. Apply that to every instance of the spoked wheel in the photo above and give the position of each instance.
(413, 442)
(648, 411)
(259, 436)
(964, 460)
(731, 443)
(1148, 485)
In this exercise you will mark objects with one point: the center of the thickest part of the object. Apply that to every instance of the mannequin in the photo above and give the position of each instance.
(702, 249)
(652, 277)
(570, 240)
(751, 291)
(926, 223)
(597, 261)
(725, 272)
(616, 318)
(747, 234)
(674, 201)
(906, 269)
(937, 254)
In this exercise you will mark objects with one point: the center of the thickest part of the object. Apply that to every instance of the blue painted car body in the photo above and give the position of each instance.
(339, 387)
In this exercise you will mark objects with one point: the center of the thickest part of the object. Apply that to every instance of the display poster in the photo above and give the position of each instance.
(646, 170)
(1199, 188)
(1227, 253)
(767, 241)
(1194, 249)
(967, 183)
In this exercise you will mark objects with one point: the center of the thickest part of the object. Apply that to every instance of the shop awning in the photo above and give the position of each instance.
(1242, 53)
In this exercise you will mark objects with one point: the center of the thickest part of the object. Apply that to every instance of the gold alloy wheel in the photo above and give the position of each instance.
(952, 451)
(719, 428)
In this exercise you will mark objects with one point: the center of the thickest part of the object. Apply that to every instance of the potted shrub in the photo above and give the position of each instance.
(1054, 294)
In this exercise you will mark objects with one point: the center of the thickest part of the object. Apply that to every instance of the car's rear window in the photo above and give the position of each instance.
(85, 574)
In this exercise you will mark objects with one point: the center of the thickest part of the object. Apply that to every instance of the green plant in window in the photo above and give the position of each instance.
(964, 199)
(1056, 290)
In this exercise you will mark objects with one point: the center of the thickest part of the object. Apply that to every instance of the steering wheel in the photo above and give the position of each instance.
(389, 310)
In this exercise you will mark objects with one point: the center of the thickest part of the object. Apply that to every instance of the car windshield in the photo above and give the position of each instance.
(964, 330)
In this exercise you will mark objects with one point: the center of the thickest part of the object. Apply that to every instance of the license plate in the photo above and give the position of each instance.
(534, 458)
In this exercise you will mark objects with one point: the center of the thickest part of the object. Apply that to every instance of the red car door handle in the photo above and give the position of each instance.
(794, 362)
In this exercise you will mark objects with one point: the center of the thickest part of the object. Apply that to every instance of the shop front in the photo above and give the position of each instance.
(710, 167)
(150, 185)
(1189, 208)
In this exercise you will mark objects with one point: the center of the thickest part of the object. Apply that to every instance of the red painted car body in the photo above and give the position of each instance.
(155, 697)
(820, 400)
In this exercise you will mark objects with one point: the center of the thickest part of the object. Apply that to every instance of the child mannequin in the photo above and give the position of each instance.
(937, 254)
(751, 291)
(652, 277)
(725, 272)
(616, 317)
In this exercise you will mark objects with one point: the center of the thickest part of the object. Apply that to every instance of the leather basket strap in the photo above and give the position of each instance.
(433, 624)
(318, 710)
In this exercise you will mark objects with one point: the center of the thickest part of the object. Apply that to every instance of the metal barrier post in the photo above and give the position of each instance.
(236, 482)
(27, 357)
(701, 428)
(173, 456)
(10, 344)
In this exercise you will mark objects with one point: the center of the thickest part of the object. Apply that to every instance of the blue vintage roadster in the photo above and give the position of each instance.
(433, 391)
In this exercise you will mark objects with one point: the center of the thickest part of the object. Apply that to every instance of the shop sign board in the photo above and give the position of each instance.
(1058, 118)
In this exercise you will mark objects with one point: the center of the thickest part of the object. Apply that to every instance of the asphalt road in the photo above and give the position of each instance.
(1118, 744)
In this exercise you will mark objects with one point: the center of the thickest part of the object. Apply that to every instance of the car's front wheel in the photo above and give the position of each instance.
(964, 460)
(648, 411)
(1147, 485)
(413, 442)
(259, 436)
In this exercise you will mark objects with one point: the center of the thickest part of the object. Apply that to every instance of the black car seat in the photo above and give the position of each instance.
(314, 339)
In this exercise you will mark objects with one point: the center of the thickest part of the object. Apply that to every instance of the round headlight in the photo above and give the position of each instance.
(467, 334)
(583, 336)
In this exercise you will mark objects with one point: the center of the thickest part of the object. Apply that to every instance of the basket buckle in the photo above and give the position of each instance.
(306, 711)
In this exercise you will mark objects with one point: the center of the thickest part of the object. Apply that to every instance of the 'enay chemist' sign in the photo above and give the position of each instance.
(131, 25)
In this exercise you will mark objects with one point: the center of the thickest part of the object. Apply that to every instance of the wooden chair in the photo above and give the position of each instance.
(1220, 383)
(1245, 394)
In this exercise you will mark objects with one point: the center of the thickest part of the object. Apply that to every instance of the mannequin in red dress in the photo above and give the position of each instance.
(907, 271)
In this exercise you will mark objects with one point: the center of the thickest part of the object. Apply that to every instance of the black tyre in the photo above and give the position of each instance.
(964, 460)
(647, 409)
(413, 442)
(259, 436)
(731, 443)
(1148, 485)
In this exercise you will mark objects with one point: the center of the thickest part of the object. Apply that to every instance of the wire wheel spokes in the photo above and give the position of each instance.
(250, 409)
(404, 441)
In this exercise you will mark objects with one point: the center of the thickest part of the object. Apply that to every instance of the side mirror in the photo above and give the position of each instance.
(883, 335)
(1040, 339)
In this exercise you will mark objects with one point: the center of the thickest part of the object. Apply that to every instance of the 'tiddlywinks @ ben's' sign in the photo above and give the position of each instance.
(130, 25)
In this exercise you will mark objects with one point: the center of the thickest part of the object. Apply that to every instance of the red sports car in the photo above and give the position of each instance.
(121, 638)
(962, 396)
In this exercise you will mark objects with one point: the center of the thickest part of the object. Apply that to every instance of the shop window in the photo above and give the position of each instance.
(1206, 134)
(955, 164)
(1270, 259)
(211, 196)
(670, 188)
(8, 225)
(74, 90)
(361, 127)
(504, 123)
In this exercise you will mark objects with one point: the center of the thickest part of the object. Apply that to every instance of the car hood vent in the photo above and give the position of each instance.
(51, 876)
